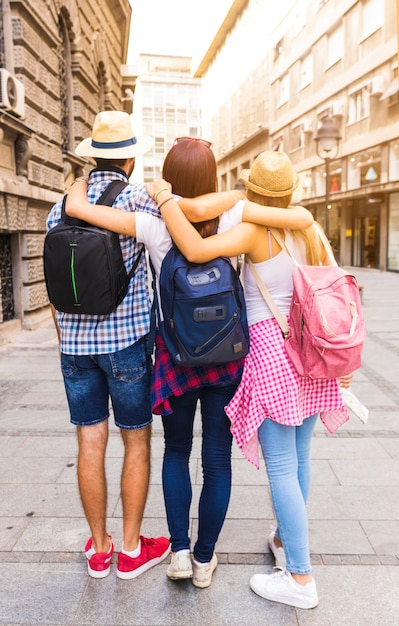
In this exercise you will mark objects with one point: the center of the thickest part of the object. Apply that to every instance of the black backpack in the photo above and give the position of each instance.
(205, 319)
(83, 264)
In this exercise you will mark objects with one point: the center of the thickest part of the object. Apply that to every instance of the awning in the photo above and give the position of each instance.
(391, 90)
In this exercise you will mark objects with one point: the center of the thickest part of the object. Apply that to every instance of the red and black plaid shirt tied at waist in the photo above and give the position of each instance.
(169, 379)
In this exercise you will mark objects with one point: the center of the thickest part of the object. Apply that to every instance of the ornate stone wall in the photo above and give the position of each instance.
(65, 58)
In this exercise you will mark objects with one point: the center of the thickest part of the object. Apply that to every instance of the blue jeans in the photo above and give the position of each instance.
(286, 450)
(216, 467)
(123, 376)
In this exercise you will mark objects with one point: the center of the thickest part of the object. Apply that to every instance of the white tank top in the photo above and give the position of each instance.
(276, 274)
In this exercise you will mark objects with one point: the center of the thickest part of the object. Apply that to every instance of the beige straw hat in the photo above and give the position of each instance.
(113, 138)
(271, 175)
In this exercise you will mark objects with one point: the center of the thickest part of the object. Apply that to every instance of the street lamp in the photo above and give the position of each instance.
(327, 141)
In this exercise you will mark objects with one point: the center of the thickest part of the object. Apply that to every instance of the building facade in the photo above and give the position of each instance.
(167, 104)
(60, 63)
(312, 60)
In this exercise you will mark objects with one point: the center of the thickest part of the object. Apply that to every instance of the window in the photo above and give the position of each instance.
(299, 19)
(393, 232)
(278, 50)
(335, 46)
(334, 179)
(306, 185)
(297, 137)
(359, 105)
(373, 17)
(364, 168)
(306, 71)
(278, 144)
(159, 145)
(7, 309)
(394, 161)
(284, 90)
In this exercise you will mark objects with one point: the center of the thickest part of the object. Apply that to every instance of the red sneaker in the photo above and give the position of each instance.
(98, 563)
(153, 551)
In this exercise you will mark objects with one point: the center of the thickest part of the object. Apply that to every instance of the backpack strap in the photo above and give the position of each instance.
(108, 197)
(110, 194)
(326, 244)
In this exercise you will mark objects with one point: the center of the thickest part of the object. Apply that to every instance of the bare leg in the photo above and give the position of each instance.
(134, 483)
(92, 441)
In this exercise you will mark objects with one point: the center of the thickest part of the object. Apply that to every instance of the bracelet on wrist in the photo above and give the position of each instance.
(165, 201)
(81, 179)
(158, 192)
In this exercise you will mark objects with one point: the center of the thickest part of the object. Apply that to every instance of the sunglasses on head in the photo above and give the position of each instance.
(206, 143)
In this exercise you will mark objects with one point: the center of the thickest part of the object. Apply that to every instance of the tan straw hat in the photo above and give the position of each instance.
(113, 138)
(271, 175)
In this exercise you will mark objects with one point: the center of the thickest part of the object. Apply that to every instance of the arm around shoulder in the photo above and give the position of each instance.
(294, 217)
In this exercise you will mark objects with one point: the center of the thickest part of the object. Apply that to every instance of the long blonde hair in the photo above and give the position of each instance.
(315, 251)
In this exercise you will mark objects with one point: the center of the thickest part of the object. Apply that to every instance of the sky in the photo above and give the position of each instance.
(176, 27)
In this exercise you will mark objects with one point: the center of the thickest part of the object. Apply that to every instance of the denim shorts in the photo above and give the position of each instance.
(124, 376)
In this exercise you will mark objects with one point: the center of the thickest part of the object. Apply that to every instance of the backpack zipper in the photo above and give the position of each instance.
(221, 330)
(73, 278)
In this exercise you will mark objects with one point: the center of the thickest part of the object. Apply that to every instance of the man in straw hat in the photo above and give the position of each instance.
(107, 356)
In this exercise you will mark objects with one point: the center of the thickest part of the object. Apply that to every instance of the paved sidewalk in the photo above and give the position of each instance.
(353, 508)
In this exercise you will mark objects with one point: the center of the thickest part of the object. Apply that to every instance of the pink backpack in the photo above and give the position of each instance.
(327, 330)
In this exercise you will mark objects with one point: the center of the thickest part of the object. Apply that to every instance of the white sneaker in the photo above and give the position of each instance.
(281, 587)
(278, 552)
(180, 566)
(202, 574)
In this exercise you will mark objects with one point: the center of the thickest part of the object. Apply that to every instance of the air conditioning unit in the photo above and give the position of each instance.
(376, 86)
(12, 93)
(307, 125)
(338, 108)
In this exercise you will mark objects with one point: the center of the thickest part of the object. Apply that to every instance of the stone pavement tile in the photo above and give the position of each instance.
(381, 420)
(27, 420)
(47, 446)
(354, 502)
(243, 536)
(391, 446)
(55, 534)
(26, 365)
(153, 600)
(354, 596)
(338, 537)
(9, 445)
(372, 394)
(347, 448)
(322, 473)
(363, 472)
(37, 398)
(46, 500)
(348, 596)
(11, 529)
(37, 593)
(115, 446)
(383, 536)
(244, 473)
(31, 470)
(250, 503)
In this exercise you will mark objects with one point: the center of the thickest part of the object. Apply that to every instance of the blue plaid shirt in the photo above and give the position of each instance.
(100, 334)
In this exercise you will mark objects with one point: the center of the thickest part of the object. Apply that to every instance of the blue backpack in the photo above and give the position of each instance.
(205, 319)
